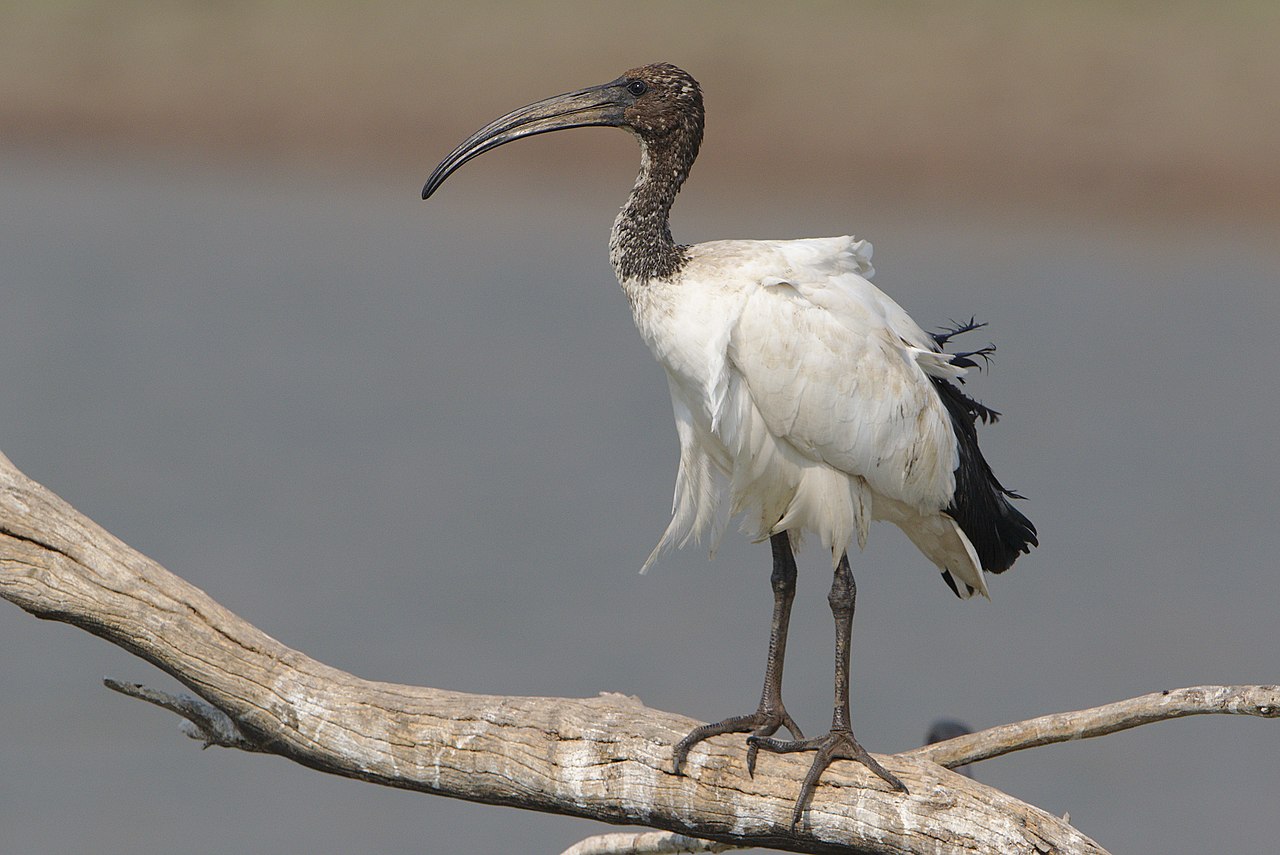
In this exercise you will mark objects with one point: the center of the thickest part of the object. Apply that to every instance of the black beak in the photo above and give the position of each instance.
(599, 105)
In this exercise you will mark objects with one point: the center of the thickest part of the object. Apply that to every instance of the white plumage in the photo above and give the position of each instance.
(802, 399)
(805, 398)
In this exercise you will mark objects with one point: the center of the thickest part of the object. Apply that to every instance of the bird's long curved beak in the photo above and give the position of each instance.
(599, 105)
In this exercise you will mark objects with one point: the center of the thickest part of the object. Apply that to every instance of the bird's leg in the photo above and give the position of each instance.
(839, 743)
(771, 714)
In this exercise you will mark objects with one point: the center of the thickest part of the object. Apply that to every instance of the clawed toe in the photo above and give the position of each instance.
(839, 744)
(763, 723)
(771, 716)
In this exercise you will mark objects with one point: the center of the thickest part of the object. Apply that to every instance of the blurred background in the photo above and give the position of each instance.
(422, 442)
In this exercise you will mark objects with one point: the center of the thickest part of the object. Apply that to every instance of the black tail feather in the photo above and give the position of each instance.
(998, 531)
(965, 359)
(944, 335)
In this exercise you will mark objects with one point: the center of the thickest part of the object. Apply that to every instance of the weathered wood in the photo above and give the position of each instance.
(645, 843)
(1260, 701)
(606, 758)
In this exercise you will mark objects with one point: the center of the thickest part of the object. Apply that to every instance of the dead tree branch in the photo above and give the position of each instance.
(645, 843)
(606, 758)
(1261, 701)
(204, 722)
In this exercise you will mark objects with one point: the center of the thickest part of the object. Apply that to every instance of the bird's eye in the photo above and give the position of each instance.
(637, 87)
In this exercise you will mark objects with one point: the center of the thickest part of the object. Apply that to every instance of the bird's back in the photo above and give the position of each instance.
(803, 394)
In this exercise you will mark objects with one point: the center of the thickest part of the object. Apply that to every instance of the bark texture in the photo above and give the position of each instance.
(606, 758)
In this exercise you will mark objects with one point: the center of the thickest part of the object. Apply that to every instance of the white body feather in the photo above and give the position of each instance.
(802, 399)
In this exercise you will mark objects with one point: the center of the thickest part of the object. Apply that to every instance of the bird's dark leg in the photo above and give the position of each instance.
(771, 714)
(839, 743)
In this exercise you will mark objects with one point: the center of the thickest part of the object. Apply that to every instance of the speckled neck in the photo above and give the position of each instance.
(641, 247)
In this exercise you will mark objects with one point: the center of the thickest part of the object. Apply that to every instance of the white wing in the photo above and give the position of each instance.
(904, 431)
(839, 371)
(809, 388)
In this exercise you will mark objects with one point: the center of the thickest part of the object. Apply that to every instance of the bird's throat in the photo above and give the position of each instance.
(641, 247)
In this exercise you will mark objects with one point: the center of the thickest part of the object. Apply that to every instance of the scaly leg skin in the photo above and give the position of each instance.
(771, 714)
(839, 743)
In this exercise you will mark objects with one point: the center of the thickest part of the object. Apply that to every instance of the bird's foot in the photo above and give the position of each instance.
(761, 724)
(839, 744)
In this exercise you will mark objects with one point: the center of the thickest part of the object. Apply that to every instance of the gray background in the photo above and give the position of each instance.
(422, 442)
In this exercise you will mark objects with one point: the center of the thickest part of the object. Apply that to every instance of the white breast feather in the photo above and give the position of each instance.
(802, 385)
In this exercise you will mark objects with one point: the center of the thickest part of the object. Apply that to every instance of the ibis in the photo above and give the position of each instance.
(807, 401)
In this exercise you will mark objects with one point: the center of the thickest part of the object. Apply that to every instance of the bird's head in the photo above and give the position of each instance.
(659, 103)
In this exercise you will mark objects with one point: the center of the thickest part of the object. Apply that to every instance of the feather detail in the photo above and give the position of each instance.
(807, 400)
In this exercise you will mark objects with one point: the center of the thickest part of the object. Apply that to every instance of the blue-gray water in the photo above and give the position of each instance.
(423, 443)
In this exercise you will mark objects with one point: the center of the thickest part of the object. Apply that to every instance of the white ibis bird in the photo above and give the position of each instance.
(805, 398)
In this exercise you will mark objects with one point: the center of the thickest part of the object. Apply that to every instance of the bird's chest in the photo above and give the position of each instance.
(688, 330)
